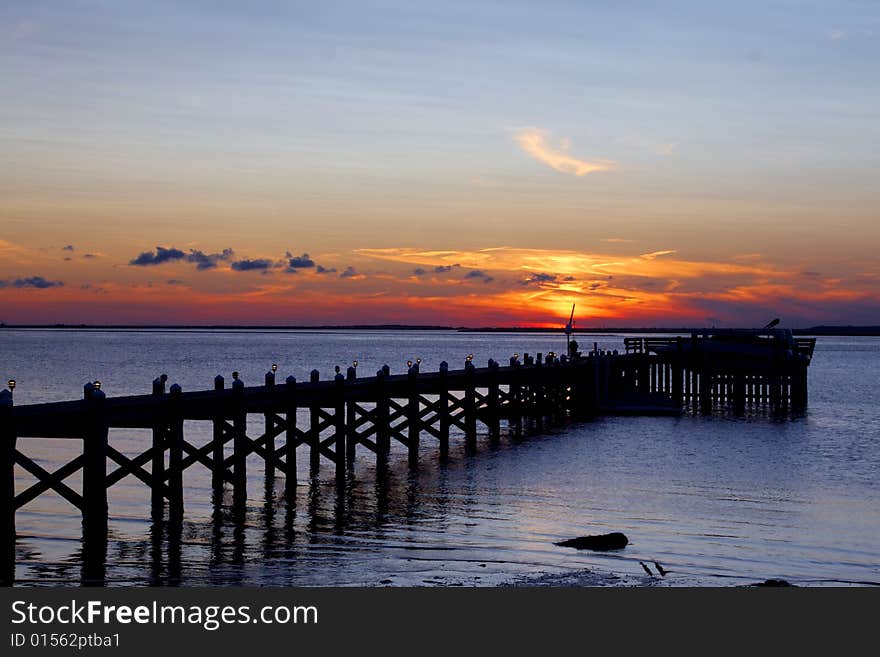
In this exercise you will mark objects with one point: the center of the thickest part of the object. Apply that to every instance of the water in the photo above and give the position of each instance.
(715, 500)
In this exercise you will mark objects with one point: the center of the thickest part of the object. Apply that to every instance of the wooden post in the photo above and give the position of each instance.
(644, 375)
(412, 416)
(218, 453)
(383, 428)
(492, 400)
(339, 429)
(290, 439)
(239, 445)
(269, 445)
(351, 417)
(314, 433)
(676, 387)
(443, 409)
(539, 393)
(7, 489)
(515, 409)
(94, 482)
(739, 392)
(705, 391)
(160, 429)
(175, 456)
(470, 407)
(775, 385)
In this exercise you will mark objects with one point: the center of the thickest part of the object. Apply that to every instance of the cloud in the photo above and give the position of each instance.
(325, 270)
(616, 240)
(69, 247)
(90, 256)
(31, 281)
(418, 271)
(300, 262)
(162, 255)
(349, 272)
(538, 279)
(208, 260)
(442, 269)
(656, 254)
(259, 264)
(534, 142)
(174, 281)
(479, 275)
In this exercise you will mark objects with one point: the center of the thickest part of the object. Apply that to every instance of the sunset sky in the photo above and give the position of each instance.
(474, 163)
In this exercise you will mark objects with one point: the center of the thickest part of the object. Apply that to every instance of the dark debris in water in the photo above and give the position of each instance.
(600, 542)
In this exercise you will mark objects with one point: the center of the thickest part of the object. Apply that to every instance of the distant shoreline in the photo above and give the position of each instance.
(866, 331)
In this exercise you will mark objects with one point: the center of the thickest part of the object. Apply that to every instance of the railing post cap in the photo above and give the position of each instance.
(339, 377)
(175, 389)
(314, 375)
(444, 366)
(219, 379)
(238, 384)
(5, 397)
(291, 380)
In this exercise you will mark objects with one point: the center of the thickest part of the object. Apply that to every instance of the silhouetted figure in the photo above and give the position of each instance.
(660, 569)
(647, 570)
(159, 384)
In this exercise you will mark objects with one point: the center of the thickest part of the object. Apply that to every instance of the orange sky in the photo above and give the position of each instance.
(481, 287)
(458, 164)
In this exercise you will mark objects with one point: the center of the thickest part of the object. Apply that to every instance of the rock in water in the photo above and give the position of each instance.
(601, 543)
(773, 583)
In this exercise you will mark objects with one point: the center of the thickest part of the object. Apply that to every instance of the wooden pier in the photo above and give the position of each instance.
(349, 416)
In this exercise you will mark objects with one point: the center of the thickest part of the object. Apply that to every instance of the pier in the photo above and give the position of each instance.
(332, 422)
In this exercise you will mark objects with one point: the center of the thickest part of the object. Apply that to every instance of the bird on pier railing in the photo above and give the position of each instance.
(772, 324)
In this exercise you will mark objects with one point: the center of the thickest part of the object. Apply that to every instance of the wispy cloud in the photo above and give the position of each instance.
(535, 142)
(480, 275)
(656, 254)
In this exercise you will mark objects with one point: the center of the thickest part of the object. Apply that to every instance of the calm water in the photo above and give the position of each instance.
(718, 501)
